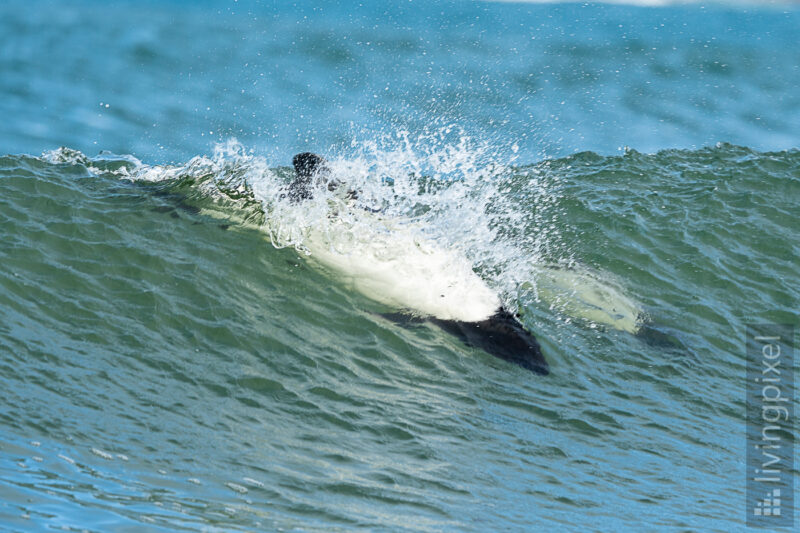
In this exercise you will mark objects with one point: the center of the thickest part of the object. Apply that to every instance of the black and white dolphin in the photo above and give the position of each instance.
(420, 279)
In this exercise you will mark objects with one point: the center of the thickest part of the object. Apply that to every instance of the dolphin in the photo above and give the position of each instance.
(433, 285)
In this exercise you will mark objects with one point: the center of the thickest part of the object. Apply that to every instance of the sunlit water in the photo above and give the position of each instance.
(171, 357)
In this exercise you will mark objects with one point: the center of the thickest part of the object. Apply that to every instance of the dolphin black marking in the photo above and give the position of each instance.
(502, 336)
(307, 165)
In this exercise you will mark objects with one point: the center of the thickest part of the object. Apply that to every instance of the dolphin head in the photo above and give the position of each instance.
(307, 164)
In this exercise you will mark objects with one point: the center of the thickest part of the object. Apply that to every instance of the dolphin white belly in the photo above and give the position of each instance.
(587, 295)
(401, 269)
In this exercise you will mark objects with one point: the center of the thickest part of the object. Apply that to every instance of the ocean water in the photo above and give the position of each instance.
(171, 357)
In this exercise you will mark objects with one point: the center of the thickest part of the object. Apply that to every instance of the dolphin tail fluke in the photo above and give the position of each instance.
(660, 337)
(503, 336)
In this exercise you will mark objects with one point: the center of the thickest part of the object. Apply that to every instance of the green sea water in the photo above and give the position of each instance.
(626, 177)
(163, 368)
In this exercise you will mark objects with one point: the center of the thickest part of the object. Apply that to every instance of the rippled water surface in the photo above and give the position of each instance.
(171, 358)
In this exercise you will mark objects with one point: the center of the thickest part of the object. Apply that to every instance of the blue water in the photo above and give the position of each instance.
(167, 363)
(553, 78)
